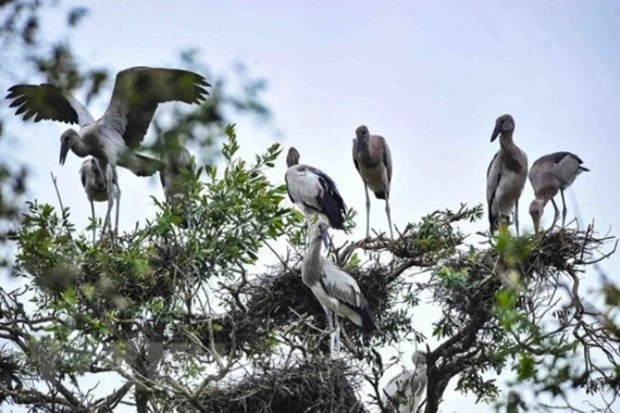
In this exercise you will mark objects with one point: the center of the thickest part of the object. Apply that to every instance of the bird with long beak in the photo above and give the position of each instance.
(114, 138)
(335, 289)
(325, 238)
(506, 175)
(549, 175)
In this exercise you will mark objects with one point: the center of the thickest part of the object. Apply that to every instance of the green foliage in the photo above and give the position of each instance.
(143, 277)
(169, 312)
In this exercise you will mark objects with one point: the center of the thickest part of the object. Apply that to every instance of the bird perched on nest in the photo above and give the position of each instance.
(337, 292)
(549, 174)
(506, 175)
(313, 191)
(95, 185)
(113, 138)
(179, 164)
(373, 161)
(405, 391)
(513, 402)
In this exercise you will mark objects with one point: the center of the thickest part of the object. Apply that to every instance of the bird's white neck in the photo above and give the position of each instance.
(312, 267)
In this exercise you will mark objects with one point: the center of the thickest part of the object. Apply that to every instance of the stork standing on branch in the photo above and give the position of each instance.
(114, 137)
(337, 291)
(313, 191)
(550, 174)
(405, 391)
(373, 161)
(179, 164)
(95, 185)
(506, 175)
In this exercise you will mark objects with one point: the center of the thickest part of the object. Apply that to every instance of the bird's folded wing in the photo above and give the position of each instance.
(328, 185)
(341, 285)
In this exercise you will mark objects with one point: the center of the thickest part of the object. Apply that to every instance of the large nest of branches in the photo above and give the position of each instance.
(317, 386)
(539, 260)
(281, 298)
(561, 250)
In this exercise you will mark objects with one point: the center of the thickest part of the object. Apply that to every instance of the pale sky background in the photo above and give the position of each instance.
(430, 76)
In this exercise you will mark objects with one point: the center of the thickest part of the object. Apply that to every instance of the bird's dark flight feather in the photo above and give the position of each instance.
(557, 157)
(331, 203)
(43, 102)
(138, 91)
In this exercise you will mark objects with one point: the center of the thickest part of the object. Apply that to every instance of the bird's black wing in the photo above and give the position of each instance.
(47, 102)
(138, 91)
(331, 202)
(557, 157)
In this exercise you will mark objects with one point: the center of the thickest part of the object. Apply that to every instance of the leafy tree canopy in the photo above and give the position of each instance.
(191, 320)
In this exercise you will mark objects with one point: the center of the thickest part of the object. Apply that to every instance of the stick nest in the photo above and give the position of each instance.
(279, 299)
(552, 254)
(316, 386)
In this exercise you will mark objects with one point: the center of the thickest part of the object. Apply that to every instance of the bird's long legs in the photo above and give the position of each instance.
(556, 215)
(563, 208)
(118, 207)
(109, 172)
(517, 216)
(92, 213)
(367, 211)
(387, 212)
(330, 322)
(107, 222)
(336, 336)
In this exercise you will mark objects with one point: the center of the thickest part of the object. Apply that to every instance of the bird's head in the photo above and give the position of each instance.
(321, 232)
(67, 141)
(292, 158)
(419, 357)
(503, 124)
(536, 210)
(362, 132)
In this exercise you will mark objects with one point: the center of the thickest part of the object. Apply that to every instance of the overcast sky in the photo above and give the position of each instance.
(430, 76)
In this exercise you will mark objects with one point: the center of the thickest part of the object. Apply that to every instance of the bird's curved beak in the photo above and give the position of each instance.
(495, 132)
(64, 149)
(326, 240)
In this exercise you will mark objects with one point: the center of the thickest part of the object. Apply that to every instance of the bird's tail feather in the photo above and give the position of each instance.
(380, 195)
(493, 221)
(368, 323)
(141, 165)
(333, 207)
